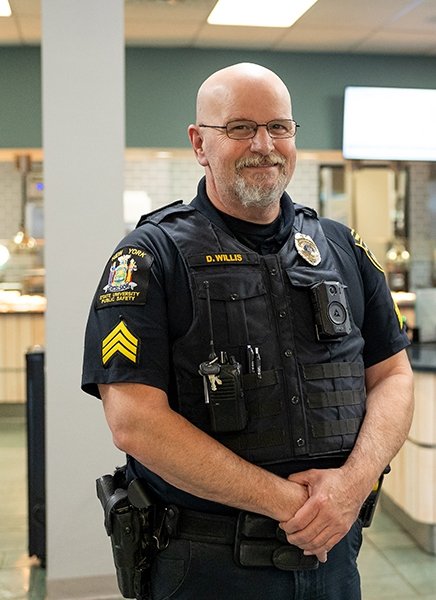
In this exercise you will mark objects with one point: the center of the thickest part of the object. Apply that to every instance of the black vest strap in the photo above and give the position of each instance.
(332, 370)
(336, 398)
(330, 428)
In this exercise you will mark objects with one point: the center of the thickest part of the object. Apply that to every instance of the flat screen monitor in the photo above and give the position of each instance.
(386, 123)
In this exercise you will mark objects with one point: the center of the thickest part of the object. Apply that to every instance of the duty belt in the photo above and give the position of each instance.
(258, 541)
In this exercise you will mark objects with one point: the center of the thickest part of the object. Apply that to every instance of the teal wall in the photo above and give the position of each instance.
(20, 97)
(161, 84)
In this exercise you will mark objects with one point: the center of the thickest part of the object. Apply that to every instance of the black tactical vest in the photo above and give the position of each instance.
(309, 399)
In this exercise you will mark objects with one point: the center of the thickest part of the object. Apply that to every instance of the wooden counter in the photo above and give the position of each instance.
(19, 331)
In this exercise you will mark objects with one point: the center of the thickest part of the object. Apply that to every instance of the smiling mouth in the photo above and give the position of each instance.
(258, 163)
(259, 168)
(262, 166)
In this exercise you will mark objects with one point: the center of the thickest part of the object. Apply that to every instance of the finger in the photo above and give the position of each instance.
(319, 549)
(311, 538)
(321, 555)
(302, 518)
(300, 478)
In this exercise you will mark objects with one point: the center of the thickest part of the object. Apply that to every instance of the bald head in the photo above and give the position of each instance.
(223, 91)
(245, 177)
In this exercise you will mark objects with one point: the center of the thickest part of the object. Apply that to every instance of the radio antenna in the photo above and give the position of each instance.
(213, 354)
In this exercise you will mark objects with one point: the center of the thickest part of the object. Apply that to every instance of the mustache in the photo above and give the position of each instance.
(260, 161)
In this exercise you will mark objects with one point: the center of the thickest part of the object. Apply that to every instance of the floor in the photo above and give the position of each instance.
(391, 565)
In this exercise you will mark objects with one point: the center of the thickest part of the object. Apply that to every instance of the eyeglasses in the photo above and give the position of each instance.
(245, 130)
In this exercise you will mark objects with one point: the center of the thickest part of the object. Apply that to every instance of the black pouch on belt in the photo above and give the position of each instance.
(259, 542)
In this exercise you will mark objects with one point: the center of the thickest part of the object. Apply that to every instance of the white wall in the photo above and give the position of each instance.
(83, 139)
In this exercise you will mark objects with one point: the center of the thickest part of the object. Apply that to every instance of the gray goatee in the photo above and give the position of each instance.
(260, 194)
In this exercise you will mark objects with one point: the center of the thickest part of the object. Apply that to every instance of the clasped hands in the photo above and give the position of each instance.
(326, 516)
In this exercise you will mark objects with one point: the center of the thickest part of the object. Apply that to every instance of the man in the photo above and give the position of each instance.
(251, 364)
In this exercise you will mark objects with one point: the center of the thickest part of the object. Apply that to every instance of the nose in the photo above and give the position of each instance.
(262, 142)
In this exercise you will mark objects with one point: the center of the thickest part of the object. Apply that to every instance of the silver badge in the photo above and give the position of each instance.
(307, 249)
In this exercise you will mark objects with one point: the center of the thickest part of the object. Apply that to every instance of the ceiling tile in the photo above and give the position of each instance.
(399, 42)
(237, 37)
(327, 39)
(421, 18)
(387, 26)
(148, 32)
(9, 33)
(26, 8)
(30, 29)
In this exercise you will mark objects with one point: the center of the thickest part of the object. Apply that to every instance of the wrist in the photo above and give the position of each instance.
(360, 479)
(288, 498)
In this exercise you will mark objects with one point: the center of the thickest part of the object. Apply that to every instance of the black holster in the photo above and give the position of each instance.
(130, 528)
(367, 510)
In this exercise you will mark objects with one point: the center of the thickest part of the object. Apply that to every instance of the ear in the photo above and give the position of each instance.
(197, 144)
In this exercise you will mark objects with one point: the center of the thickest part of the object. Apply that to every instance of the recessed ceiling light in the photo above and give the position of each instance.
(258, 13)
(5, 9)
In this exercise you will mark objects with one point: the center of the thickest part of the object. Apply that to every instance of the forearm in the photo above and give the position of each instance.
(388, 417)
(189, 459)
(336, 495)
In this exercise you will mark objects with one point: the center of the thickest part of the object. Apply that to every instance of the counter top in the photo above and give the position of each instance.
(423, 356)
(12, 302)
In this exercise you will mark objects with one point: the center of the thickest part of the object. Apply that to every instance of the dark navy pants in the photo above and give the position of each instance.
(189, 570)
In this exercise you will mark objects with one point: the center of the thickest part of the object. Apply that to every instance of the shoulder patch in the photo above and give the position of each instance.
(125, 278)
(361, 244)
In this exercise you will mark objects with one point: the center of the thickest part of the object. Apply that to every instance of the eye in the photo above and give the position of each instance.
(241, 127)
(279, 127)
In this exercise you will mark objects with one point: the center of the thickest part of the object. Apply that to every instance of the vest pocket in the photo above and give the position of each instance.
(335, 404)
(238, 303)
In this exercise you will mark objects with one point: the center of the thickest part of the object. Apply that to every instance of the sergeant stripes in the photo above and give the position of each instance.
(121, 340)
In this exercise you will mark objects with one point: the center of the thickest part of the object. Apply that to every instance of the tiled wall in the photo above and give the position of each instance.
(304, 186)
(164, 179)
(420, 234)
(167, 177)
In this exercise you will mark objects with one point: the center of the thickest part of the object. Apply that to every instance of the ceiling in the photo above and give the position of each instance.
(347, 26)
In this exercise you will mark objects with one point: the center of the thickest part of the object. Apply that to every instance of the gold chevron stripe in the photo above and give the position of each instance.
(121, 340)
(399, 315)
(361, 244)
(121, 327)
(122, 350)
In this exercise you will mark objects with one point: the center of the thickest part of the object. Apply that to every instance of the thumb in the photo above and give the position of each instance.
(300, 478)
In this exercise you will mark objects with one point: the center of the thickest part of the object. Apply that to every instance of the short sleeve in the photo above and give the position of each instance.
(128, 332)
(373, 307)
(383, 327)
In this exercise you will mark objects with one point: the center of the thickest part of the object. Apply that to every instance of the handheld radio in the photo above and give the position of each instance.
(222, 385)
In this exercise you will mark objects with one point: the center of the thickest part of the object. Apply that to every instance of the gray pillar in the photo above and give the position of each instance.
(83, 140)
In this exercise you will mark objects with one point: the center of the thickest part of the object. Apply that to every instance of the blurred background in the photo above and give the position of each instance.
(95, 100)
